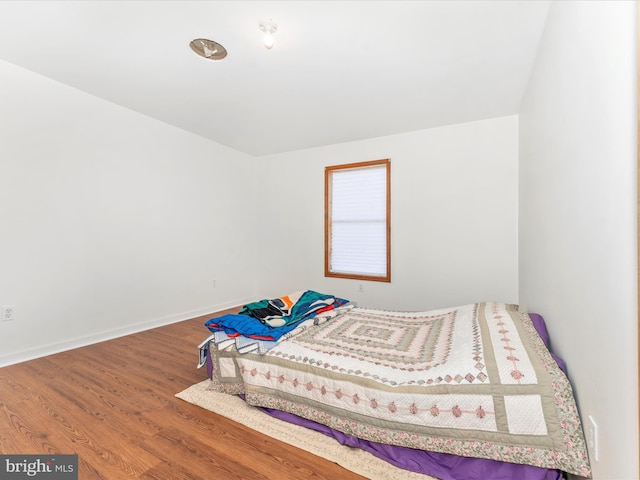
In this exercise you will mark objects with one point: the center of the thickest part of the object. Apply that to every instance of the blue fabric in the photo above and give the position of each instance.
(309, 305)
(236, 324)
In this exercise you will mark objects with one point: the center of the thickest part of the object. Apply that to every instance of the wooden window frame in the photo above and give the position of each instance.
(328, 221)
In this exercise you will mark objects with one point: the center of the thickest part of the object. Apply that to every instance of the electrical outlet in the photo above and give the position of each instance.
(213, 283)
(8, 313)
(592, 437)
(360, 287)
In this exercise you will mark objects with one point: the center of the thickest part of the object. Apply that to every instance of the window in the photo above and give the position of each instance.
(357, 221)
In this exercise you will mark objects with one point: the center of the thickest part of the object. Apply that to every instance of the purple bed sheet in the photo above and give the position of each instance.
(440, 465)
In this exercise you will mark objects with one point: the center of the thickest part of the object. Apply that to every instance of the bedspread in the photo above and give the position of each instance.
(474, 380)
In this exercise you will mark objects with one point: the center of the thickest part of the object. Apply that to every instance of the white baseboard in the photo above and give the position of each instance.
(44, 350)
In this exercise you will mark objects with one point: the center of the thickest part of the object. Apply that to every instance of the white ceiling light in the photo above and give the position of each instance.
(269, 27)
(208, 49)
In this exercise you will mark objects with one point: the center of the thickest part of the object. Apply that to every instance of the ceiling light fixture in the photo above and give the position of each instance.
(269, 27)
(208, 49)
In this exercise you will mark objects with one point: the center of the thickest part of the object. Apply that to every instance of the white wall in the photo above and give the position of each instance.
(111, 222)
(578, 214)
(453, 215)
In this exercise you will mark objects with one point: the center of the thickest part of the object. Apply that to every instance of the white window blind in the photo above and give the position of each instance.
(357, 221)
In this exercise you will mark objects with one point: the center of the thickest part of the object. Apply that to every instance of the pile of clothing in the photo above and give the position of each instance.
(272, 320)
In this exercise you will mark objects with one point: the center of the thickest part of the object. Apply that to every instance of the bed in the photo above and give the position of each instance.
(463, 392)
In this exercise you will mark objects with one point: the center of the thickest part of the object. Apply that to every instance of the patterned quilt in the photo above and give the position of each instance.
(474, 380)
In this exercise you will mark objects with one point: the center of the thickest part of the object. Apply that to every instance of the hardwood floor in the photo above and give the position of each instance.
(113, 404)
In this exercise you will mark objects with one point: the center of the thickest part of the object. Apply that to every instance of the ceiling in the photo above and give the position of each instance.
(339, 70)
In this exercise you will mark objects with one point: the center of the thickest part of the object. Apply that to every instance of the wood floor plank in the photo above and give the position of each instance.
(64, 426)
(114, 404)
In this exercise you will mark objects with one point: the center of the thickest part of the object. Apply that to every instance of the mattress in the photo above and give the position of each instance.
(472, 382)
